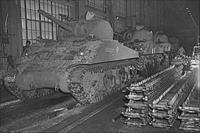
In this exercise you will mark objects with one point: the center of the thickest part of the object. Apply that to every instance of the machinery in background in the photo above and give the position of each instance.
(146, 42)
(195, 61)
(85, 62)
(141, 41)
(162, 44)
(196, 51)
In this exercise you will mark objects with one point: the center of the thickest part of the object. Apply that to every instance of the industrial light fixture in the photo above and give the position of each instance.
(188, 11)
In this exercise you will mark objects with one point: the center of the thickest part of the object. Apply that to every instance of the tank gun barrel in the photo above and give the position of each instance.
(57, 21)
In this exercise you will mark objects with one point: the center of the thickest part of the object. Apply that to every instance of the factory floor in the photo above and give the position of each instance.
(101, 117)
(61, 113)
(5, 95)
(106, 118)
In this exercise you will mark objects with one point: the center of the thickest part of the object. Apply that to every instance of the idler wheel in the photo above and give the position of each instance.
(78, 93)
(109, 80)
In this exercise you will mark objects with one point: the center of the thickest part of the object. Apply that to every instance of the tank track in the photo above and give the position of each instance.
(90, 83)
(104, 78)
(27, 95)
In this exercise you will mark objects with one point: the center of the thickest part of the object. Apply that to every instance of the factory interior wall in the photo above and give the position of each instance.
(150, 13)
(11, 30)
(70, 4)
(142, 12)
(14, 44)
(157, 15)
(147, 13)
(137, 12)
(179, 23)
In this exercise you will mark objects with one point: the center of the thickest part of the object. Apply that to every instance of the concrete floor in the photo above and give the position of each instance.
(5, 95)
(102, 122)
(98, 118)
(92, 118)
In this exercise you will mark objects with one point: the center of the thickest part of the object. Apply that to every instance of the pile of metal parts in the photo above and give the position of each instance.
(155, 100)
(190, 117)
(142, 95)
(165, 107)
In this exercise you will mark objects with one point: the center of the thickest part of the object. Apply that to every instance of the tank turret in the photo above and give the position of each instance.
(160, 37)
(142, 41)
(99, 28)
(162, 43)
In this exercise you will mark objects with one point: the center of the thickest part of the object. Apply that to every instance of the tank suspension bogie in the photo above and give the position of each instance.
(109, 80)
(123, 75)
(101, 79)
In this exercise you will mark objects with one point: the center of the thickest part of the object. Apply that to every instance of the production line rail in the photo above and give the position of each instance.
(190, 116)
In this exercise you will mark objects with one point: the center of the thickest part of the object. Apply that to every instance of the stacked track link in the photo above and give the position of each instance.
(190, 116)
(165, 107)
(142, 94)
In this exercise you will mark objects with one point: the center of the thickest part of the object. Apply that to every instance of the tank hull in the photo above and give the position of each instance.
(89, 83)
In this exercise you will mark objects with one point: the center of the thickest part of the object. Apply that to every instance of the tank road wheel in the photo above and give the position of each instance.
(133, 72)
(29, 94)
(123, 76)
(109, 81)
(78, 93)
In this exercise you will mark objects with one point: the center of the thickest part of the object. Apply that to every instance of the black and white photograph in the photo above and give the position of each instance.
(99, 66)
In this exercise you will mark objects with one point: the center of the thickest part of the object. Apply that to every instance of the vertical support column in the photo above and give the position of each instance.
(155, 15)
(82, 9)
(74, 10)
(151, 14)
(20, 44)
(146, 16)
(142, 10)
(162, 15)
(165, 17)
(158, 14)
(137, 6)
(128, 13)
(133, 13)
(109, 12)
(198, 35)
(14, 30)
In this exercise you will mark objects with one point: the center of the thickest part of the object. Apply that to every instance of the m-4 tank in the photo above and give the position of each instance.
(87, 63)
(145, 42)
